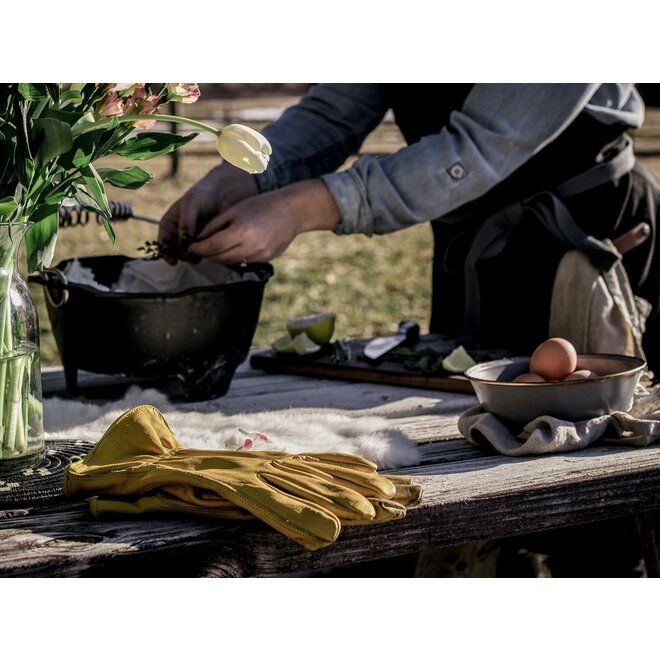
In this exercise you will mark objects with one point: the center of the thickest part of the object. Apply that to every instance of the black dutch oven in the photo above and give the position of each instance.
(199, 336)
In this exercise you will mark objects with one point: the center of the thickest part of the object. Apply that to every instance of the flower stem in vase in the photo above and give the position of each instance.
(5, 365)
(13, 420)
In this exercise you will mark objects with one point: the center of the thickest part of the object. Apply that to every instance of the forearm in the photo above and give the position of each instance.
(497, 131)
(318, 134)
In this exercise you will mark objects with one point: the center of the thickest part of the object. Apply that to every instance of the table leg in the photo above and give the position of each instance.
(648, 527)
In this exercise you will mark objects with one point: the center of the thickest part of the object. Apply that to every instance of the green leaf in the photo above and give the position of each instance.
(131, 178)
(109, 230)
(41, 238)
(7, 205)
(150, 145)
(83, 151)
(72, 96)
(87, 118)
(22, 164)
(85, 200)
(70, 118)
(56, 138)
(96, 188)
(33, 91)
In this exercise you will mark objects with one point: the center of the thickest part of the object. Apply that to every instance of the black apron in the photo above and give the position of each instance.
(514, 282)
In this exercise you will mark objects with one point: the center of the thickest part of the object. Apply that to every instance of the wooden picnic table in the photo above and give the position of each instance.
(469, 495)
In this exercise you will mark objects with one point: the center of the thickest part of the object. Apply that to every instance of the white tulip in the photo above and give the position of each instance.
(244, 148)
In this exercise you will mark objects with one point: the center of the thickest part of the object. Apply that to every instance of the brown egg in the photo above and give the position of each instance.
(529, 378)
(581, 373)
(554, 359)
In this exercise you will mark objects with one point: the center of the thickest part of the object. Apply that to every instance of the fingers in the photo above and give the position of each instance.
(231, 238)
(217, 224)
(224, 246)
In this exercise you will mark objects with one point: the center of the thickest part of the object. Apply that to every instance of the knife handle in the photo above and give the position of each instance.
(411, 331)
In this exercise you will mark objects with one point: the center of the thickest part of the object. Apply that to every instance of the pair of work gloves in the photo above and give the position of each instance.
(138, 467)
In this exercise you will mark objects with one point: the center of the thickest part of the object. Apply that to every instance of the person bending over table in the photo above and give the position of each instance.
(474, 152)
(508, 175)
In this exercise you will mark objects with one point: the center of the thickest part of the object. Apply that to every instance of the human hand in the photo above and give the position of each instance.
(260, 228)
(220, 189)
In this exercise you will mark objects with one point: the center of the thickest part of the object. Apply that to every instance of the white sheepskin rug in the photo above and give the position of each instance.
(374, 438)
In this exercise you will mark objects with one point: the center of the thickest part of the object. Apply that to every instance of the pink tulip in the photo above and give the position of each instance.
(110, 106)
(141, 104)
(148, 106)
(183, 92)
(139, 92)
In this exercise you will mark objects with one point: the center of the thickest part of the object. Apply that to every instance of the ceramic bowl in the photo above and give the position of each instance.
(571, 400)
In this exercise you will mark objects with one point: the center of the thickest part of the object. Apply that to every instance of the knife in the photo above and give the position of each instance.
(406, 335)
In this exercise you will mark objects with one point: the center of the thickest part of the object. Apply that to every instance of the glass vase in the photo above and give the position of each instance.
(21, 409)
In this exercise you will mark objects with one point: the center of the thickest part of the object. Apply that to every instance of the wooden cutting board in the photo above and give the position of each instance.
(391, 372)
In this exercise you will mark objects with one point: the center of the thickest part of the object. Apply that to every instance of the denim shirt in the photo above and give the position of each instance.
(498, 129)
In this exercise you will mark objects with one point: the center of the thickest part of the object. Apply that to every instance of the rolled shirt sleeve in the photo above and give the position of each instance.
(496, 131)
(319, 133)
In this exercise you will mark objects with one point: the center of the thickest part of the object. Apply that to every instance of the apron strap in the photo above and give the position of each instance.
(547, 206)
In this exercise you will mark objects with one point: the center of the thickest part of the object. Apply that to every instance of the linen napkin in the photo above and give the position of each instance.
(549, 435)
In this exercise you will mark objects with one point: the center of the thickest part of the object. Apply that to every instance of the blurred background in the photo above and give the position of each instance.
(370, 283)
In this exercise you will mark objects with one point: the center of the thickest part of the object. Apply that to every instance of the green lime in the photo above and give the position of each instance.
(283, 344)
(318, 327)
(303, 345)
(458, 361)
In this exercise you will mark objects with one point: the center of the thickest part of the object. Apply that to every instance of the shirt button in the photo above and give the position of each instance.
(457, 171)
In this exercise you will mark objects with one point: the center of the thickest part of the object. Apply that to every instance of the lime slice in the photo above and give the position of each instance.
(283, 344)
(303, 345)
(318, 327)
(458, 361)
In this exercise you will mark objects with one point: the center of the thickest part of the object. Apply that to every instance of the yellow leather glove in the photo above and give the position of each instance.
(303, 496)
(192, 501)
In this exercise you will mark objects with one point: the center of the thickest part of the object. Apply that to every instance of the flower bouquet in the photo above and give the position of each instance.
(50, 137)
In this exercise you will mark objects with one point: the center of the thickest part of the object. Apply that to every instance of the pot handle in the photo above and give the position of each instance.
(51, 276)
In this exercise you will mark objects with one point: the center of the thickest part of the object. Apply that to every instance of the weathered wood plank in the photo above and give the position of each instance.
(259, 392)
(470, 495)
(465, 500)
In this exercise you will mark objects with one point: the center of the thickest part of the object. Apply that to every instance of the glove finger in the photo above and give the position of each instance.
(162, 502)
(345, 460)
(408, 494)
(343, 502)
(198, 497)
(399, 478)
(386, 510)
(369, 484)
(99, 506)
(302, 520)
(310, 525)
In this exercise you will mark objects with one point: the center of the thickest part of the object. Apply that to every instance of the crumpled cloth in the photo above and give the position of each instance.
(549, 435)
(156, 276)
(596, 310)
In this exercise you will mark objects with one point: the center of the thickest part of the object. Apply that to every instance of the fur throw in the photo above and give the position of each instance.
(374, 438)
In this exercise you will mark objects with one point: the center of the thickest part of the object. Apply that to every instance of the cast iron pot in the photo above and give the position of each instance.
(199, 335)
